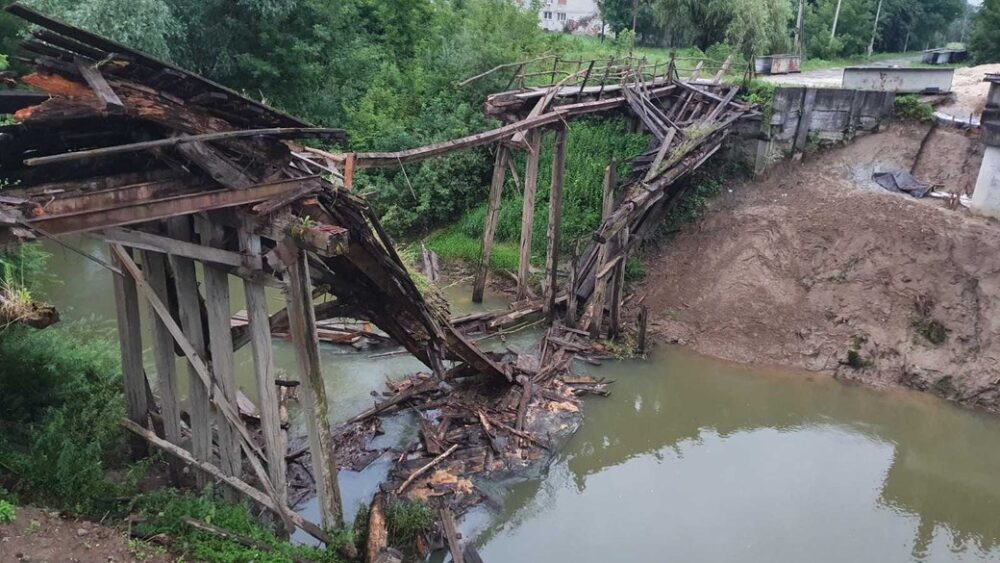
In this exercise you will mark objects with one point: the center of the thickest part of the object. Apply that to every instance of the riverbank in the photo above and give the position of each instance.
(815, 266)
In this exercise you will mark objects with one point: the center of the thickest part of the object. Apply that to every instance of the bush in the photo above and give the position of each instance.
(911, 108)
(60, 406)
(7, 512)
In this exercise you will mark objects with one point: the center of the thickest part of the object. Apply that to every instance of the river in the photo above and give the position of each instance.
(694, 459)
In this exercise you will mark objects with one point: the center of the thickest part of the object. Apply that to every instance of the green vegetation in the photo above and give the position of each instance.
(591, 145)
(910, 107)
(924, 323)
(161, 512)
(855, 360)
(8, 513)
(984, 35)
(405, 520)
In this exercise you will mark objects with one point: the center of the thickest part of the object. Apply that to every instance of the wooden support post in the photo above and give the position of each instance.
(618, 285)
(528, 210)
(571, 300)
(643, 320)
(263, 363)
(492, 215)
(130, 340)
(302, 325)
(600, 284)
(555, 220)
(154, 265)
(221, 347)
(186, 284)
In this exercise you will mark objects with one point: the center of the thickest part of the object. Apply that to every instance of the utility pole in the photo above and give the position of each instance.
(836, 16)
(871, 44)
(635, 17)
(798, 29)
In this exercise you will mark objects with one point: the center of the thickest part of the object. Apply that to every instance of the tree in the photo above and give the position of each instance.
(756, 27)
(984, 34)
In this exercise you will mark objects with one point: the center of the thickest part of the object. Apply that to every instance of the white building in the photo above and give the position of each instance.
(580, 17)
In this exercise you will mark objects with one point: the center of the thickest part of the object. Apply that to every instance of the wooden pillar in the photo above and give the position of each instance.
(302, 325)
(600, 284)
(618, 285)
(155, 267)
(555, 221)
(189, 305)
(221, 347)
(492, 216)
(571, 299)
(528, 210)
(263, 363)
(643, 321)
(130, 341)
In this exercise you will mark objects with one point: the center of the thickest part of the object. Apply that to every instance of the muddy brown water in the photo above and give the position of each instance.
(693, 459)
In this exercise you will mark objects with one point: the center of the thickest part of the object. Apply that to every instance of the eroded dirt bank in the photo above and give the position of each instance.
(814, 260)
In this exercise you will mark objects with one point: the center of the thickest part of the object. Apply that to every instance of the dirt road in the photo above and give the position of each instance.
(829, 77)
(814, 261)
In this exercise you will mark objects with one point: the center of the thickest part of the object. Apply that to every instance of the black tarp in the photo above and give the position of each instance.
(900, 181)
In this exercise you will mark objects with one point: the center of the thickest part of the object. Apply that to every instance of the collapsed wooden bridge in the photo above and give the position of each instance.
(170, 169)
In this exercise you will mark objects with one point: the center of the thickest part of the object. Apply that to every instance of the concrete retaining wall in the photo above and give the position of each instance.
(899, 80)
(805, 116)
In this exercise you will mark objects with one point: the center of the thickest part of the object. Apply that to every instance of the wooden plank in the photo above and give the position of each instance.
(595, 312)
(378, 534)
(104, 92)
(221, 169)
(618, 285)
(263, 362)
(302, 325)
(158, 243)
(492, 216)
(555, 221)
(154, 265)
(528, 211)
(654, 168)
(451, 535)
(130, 341)
(189, 306)
(274, 132)
(160, 206)
(221, 347)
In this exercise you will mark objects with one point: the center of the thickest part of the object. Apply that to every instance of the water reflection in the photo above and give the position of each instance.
(697, 460)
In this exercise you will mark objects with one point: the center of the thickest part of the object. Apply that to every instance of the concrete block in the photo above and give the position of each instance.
(986, 197)
(899, 80)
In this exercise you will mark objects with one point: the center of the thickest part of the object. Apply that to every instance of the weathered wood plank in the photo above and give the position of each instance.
(221, 347)
(492, 216)
(158, 243)
(528, 211)
(104, 92)
(130, 341)
(188, 302)
(154, 265)
(218, 167)
(302, 325)
(555, 221)
(263, 362)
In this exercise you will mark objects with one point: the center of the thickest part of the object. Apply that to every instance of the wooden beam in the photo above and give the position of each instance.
(130, 341)
(154, 265)
(555, 221)
(528, 211)
(161, 207)
(618, 285)
(302, 325)
(492, 216)
(188, 302)
(263, 362)
(104, 92)
(221, 169)
(595, 312)
(166, 245)
(274, 132)
(221, 347)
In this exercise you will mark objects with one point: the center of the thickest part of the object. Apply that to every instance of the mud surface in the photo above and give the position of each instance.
(43, 536)
(814, 260)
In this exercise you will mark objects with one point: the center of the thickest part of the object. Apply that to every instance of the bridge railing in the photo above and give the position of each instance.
(555, 70)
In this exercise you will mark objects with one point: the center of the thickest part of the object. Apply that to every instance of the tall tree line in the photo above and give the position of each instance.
(767, 26)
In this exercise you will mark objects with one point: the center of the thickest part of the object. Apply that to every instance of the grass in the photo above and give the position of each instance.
(405, 521)
(820, 64)
(452, 245)
(910, 107)
(161, 512)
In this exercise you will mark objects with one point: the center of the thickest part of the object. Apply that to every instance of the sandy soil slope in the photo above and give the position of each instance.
(814, 260)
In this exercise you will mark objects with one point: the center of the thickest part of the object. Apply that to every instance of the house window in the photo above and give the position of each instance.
(547, 15)
(562, 16)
